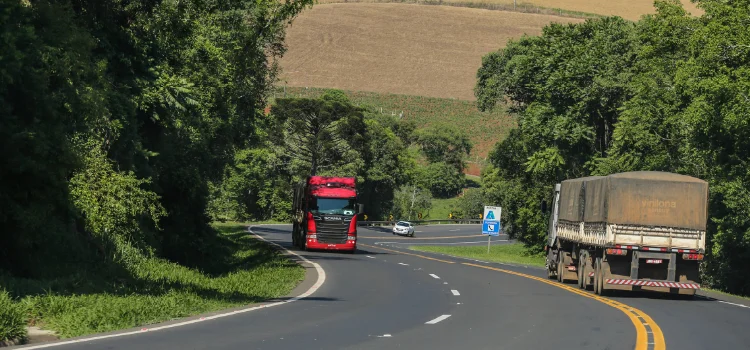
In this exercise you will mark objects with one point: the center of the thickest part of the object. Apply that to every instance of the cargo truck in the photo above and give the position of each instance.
(628, 231)
(325, 213)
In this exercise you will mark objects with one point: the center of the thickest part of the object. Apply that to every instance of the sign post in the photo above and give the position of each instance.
(491, 223)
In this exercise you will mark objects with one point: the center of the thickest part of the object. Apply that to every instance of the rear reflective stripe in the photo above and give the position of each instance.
(653, 283)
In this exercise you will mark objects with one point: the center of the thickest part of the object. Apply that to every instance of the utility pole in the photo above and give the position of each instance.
(413, 195)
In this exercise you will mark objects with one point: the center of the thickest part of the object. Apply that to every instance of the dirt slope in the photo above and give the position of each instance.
(399, 48)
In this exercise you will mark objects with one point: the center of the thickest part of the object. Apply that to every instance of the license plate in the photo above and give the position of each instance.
(654, 261)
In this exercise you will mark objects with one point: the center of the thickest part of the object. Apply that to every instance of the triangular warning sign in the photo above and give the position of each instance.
(490, 215)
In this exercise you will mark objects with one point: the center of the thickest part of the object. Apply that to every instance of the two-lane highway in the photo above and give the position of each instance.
(386, 296)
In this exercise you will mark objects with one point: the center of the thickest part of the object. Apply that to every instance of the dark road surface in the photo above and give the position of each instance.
(387, 297)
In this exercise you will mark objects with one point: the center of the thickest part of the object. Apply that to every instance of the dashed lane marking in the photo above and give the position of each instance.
(403, 264)
(641, 321)
(441, 318)
(455, 292)
(434, 276)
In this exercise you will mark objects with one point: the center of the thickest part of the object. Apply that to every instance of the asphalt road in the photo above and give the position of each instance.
(387, 297)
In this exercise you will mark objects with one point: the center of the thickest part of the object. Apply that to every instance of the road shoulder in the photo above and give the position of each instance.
(314, 279)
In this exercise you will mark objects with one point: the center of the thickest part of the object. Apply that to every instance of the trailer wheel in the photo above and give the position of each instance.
(600, 273)
(581, 272)
(597, 276)
(560, 271)
(550, 272)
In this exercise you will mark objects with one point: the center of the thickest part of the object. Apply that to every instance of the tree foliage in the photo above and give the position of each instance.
(323, 136)
(116, 116)
(669, 93)
(318, 132)
(444, 144)
(409, 201)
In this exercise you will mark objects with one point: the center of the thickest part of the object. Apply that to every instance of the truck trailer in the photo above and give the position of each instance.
(631, 231)
(325, 213)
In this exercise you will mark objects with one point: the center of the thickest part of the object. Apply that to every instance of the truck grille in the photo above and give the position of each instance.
(332, 231)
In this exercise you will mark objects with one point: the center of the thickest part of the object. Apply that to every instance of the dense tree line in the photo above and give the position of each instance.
(670, 92)
(315, 136)
(116, 116)
(330, 136)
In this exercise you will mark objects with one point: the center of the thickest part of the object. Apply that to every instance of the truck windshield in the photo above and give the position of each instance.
(335, 206)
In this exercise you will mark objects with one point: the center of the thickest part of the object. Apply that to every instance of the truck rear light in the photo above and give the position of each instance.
(654, 261)
(612, 251)
(351, 238)
(687, 256)
(312, 236)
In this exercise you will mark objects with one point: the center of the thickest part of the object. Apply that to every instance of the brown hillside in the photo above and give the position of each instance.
(629, 9)
(399, 48)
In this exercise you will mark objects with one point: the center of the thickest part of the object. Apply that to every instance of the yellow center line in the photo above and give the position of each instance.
(419, 238)
(641, 335)
(417, 255)
(641, 342)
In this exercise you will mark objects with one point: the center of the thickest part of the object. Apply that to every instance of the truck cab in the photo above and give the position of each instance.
(325, 213)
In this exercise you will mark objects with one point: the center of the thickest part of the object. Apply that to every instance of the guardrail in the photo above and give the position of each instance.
(420, 222)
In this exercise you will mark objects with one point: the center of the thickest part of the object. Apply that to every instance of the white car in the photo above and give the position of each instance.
(403, 228)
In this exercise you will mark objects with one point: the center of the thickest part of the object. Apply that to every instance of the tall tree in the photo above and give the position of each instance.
(318, 132)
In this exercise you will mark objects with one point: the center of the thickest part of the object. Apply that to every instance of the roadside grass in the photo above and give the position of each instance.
(484, 129)
(242, 270)
(12, 322)
(514, 253)
(727, 294)
(441, 208)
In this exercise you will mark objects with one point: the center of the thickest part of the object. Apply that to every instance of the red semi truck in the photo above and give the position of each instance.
(325, 213)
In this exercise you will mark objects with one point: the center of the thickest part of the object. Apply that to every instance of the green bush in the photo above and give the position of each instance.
(12, 325)
(443, 180)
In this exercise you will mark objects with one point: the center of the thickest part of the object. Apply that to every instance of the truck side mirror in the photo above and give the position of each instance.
(360, 208)
(544, 206)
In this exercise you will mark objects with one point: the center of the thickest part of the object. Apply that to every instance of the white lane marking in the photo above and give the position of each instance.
(403, 264)
(455, 292)
(445, 282)
(438, 319)
(458, 229)
(740, 305)
(418, 231)
(371, 257)
(313, 289)
(434, 276)
(384, 336)
(425, 243)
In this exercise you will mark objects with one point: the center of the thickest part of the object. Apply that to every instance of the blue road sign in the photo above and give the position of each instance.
(491, 222)
(491, 228)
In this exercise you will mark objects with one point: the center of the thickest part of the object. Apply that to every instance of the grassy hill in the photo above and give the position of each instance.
(485, 129)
